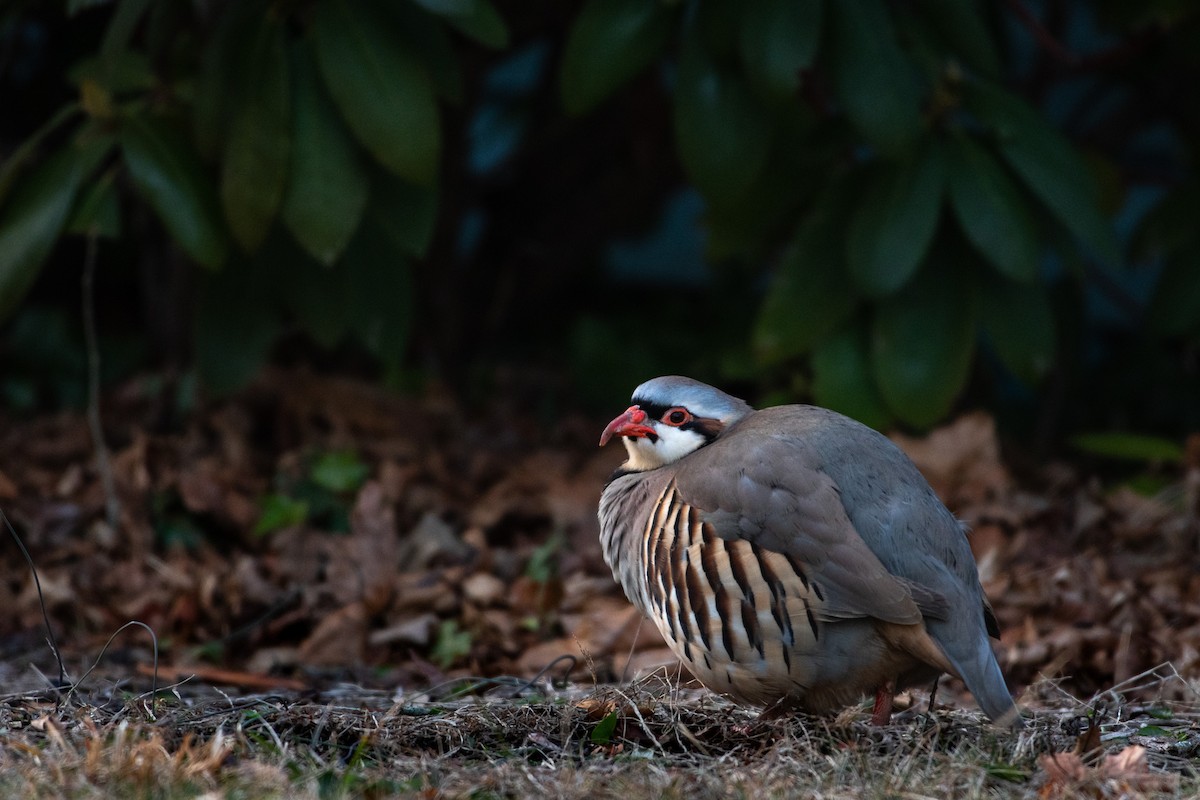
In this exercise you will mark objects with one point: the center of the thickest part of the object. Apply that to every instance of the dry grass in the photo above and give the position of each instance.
(651, 739)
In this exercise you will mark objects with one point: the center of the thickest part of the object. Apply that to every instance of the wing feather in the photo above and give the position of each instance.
(798, 513)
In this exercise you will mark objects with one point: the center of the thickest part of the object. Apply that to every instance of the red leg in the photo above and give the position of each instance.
(882, 714)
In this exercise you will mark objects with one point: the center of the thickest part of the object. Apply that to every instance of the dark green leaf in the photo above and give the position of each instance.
(926, 51)
(75, 6)
(779, 38)
(475, 18)
(15, 162)
(451, 644)
(1157, 731)
(405, 213)
(810, 293)
(320, 300)
(176, 530)
(718, 25)
(235, 326)
(1050, 166)
(123, 72)
(603, 732)
(98, 210)
(326, 510)
(543, 561)
(1170, 227)
(317, 297)
(722, 131)
(218, 75)
(991, 210)
(1129, 447)
(340, 471)
(922, 342)
(327, 189)
(278, 511)
(380, 87)
(255, 167)
(163, 33)
(842, 378)
(424, 35)
(1175, 305)
(121, 27)
(1019, 322)
(31, 221)
(873, 77)
(380, 291)
(895, 222)
(637, 30)
(169, 175)
(963, 24)
(606, 357)
(751, 226)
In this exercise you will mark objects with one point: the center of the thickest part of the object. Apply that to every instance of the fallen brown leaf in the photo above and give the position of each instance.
(253, 681)
(961, 460)
(1121, 774)
(339, 639)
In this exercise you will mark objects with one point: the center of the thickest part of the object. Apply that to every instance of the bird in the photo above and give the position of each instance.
(791, 557)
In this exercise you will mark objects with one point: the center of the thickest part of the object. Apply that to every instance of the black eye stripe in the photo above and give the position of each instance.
(705, 426)
(653, 410)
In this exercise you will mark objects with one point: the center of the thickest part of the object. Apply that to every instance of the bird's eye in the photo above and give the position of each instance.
(676, 416)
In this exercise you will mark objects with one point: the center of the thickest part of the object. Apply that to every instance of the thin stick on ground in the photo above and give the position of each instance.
(37, 584)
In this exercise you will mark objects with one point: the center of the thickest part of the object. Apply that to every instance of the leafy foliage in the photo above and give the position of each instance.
(319, 496)
(900, 203)
(945, 212)
(451, 644)
(231, 119)
(1129, 447)
(339, 472)
(280, 511)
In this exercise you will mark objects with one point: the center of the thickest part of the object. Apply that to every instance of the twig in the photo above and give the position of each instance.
(37, 583)
(632, 645)
(637, 712)
(229, 677)
(529, 684)
(103, 650)
(112, 505)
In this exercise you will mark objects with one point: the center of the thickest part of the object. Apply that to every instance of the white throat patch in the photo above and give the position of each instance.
(672, 444)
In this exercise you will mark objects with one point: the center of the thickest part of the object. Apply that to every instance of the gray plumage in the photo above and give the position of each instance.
(792, 555)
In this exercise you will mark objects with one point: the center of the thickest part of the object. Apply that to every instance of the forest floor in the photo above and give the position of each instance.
(351, 592)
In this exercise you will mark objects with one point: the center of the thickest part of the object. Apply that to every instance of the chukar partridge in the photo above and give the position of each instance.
(792, 557)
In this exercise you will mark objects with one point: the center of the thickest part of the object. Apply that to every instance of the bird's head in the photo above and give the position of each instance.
(672, 416)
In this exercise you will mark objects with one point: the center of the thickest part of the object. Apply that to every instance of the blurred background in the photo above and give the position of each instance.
(895, 209)
(312, 311)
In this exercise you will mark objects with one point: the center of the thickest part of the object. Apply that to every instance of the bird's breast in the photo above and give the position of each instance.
(742, 618)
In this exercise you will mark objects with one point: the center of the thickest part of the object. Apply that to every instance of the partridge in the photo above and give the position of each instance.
(792, 557)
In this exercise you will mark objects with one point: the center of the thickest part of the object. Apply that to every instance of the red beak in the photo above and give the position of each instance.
(628, 424)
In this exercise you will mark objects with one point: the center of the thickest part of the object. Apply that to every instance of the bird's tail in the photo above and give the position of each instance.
(981, 673)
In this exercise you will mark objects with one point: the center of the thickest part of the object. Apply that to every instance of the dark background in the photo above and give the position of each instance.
(616, 190)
